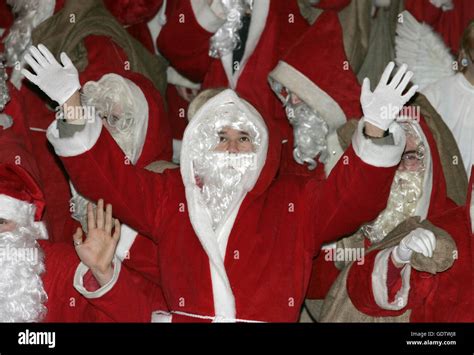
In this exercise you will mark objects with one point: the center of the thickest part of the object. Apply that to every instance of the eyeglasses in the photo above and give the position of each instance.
(119, 123)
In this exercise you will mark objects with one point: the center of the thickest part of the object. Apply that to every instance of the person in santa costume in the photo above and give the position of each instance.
(232, 44)
(226, 189)
(88, 43)
(318, 98)
(425, 277)
(132, 117)
(222, 203)
(37, 276)
(419, 189)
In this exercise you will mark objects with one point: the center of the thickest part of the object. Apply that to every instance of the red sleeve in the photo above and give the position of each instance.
(131, 299)
(323, 275)
(135, 194)
(143, 258)
(394, 280)
(65, 303)
(354, 193)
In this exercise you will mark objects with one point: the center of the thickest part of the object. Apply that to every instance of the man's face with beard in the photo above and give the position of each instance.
(220, 172)
(234, 141)
(405, 192)
(22, 294)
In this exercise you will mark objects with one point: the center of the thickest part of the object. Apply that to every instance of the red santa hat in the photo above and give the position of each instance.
(157, 143)
(21, 199)
(133, 12)
(316, 69)
(151, 132)
(6, 16)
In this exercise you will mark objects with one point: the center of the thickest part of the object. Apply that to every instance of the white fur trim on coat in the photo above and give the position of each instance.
(215, 242)
(127, 238)
(379, 155)
(79, 143)
(82, 270)
(335, 152)
(296, 82)
(258, 22)
(379, 283)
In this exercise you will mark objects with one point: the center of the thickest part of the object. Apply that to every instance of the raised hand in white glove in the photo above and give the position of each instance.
(382, 106)
(57, 81)
(420, 240)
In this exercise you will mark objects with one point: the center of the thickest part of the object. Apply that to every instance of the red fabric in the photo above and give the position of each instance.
(191, 57)
(327, 69)
(6, 15)
(15, 143)
(270, 277)
(15, 182)
(444, 297)
(104, 57)
(449, 24)
(394, 280)
(143, 259)
(132, 299)
(177, 112)
(133, 12)
(252, 83)
(141, 33)
(292, 25)
(192, 60)
(65, 303)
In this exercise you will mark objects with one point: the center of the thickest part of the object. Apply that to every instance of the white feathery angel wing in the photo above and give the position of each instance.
(423, 50)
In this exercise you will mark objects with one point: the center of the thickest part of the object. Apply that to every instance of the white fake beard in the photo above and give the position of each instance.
(222, 176)
(405, 193)
(22, 294)
(226, 39)
(310, 135)
(109, 98)
(30, 13)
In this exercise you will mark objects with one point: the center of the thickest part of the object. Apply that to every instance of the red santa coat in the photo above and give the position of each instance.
(260, 268)
(273, 28)
(444, 297)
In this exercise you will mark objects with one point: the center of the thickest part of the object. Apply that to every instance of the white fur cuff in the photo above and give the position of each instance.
(379, 155)
(379, 283)
(81, 271)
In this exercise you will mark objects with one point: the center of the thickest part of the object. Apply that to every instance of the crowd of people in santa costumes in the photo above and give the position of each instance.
(236, 161)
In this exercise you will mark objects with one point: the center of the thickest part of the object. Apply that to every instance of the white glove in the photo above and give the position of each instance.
(57, 81)
(420, 240)
(382, 106)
